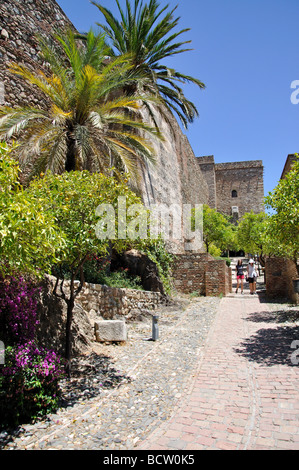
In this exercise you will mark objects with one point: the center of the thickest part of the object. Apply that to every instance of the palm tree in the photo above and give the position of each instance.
(86, 124)
(150, 38)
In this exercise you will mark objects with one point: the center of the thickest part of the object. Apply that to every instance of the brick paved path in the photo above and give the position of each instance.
(245, 392)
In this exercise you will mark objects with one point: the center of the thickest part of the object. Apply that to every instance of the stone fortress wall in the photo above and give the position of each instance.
(175, 179)
(19, 22)
(178, 176)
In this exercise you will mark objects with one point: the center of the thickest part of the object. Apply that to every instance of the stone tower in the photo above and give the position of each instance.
(234, 188)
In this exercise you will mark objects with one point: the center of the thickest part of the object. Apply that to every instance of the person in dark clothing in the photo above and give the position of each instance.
(240, 275)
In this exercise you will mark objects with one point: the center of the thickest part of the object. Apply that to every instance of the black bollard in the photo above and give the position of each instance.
(155, 328)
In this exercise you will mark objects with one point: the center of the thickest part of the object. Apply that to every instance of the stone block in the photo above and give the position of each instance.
(110, 330)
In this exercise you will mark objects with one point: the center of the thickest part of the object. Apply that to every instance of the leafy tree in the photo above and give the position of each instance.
(216, 228)
(283, 225)
(229, 240)
(72, 200)
(251, 234)
(29, 236)
(86, 124)
(150, 37)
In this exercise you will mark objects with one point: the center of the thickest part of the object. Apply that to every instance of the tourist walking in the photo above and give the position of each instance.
(240, 275)
(252, 275)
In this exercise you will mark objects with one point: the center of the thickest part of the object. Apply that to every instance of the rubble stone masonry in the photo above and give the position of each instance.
(200, 273)
(178, 176)
(280, 273)
(239, 185)
(20, 21)
(234, 187)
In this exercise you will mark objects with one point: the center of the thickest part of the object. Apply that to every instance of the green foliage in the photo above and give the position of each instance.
(72, 199)
(282, 230)
(89, 124)
(29, 236)
(156, 250)
(149, 37)
(9, 169)
(97, 271)
(251, 231)
(121, 279)
(214, 250)
(218, 232)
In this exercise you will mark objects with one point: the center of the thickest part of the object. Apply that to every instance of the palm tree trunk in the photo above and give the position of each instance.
(70, 162)
(68, 342)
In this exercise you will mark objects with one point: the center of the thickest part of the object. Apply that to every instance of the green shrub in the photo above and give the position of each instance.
(96, 272)
(156, 250)
(121, 279)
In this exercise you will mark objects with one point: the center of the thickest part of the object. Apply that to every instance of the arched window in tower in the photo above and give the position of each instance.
(234, 193)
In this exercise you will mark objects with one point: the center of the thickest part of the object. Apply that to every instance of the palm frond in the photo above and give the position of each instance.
(149, 32)
(14, 120)
(89, 121)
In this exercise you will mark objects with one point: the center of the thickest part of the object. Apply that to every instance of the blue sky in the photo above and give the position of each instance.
(247, 54)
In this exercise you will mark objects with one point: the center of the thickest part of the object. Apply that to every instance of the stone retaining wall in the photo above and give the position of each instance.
(114, 302)
(95, 302)
(201, 273)
(218, 278)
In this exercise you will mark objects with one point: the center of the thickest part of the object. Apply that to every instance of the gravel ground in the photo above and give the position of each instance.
(121, 392)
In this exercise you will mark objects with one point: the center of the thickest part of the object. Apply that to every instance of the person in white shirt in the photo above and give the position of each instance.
(252, 275)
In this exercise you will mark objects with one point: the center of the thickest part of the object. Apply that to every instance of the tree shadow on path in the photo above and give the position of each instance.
(273, 345)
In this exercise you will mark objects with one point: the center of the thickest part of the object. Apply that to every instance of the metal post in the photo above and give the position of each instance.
(155, 328)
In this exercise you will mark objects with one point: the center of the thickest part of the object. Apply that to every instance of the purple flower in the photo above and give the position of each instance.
(18, 308)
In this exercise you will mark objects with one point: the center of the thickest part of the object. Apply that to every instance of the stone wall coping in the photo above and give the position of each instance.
(236, 165)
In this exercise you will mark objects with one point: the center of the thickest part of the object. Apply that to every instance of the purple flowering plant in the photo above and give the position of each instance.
(29, 378)
(29, 383)
(18, 309)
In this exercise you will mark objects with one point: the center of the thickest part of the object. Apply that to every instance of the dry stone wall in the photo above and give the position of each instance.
(95, 302)
(113, 302)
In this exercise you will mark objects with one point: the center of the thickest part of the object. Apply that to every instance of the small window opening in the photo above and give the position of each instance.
(234, 193)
